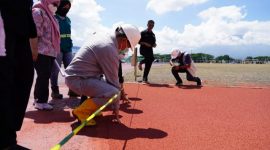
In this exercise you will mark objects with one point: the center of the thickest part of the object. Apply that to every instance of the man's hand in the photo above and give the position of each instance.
(35, 55)
(34, 48)
(116, 113)
(146, 44)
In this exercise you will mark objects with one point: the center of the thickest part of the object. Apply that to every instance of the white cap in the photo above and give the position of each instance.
(133, 34)
(175, 53)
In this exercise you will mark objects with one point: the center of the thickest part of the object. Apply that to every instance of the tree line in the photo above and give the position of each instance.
(207, 58)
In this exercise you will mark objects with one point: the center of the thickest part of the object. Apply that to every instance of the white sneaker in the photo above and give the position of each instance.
(43, 106)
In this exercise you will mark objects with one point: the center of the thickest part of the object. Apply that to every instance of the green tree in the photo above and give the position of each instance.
(263, 58)
(201, 57)
(249, 57)
(225, 58)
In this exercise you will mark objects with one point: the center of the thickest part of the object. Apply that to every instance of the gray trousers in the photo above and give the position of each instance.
(66, 58)
(99, 90)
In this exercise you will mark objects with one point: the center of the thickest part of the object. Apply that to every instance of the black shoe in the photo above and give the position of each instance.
(145, 79)
(55, 95)
(199, 82)
(178, 83)
(72, 94)
(83, 98)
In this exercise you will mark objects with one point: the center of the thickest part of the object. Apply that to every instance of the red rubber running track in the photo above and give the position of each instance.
(161, 117)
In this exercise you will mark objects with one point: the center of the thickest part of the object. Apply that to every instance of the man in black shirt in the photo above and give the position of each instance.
(17, 72)
(147, 42)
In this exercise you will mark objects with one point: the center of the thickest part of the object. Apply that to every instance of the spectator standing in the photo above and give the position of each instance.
(66, 45)
(48, 42)
(16, 63)
(147, 42)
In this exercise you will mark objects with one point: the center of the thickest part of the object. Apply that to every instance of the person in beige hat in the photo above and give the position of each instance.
(99, 56)
(147, 43)
(182, 62)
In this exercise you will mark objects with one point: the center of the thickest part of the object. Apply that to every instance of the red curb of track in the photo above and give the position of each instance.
(161, 116)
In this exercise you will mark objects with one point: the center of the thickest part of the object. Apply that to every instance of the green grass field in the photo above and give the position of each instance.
(213, 74)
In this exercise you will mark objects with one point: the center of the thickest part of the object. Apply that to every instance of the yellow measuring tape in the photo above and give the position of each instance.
(75, 131)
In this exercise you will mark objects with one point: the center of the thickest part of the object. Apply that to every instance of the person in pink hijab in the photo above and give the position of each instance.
(48, 45)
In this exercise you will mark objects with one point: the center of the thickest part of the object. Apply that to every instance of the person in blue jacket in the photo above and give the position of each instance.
(66, 47)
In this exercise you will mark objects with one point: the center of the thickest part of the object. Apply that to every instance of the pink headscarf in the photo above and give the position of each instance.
(43, 4)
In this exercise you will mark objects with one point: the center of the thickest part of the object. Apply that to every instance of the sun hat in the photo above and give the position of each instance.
(175, 53)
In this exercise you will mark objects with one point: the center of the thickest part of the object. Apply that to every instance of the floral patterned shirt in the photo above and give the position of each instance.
(44, 31)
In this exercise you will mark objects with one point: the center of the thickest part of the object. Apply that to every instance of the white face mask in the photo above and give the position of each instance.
(124, 51)
(52, 8)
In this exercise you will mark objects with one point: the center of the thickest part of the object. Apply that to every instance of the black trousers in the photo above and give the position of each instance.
(16, 78)
(120, 73)
(43, 67)
(189, 76)
(148, 60)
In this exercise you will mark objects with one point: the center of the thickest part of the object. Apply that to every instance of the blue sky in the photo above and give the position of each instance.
(120, 11)
(239, 28)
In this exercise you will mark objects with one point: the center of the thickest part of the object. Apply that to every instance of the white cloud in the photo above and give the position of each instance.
(85, 19)
(228, 13)
(161, 7)
(224, 26)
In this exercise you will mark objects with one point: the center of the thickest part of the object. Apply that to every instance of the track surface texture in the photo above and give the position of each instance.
(160, 117)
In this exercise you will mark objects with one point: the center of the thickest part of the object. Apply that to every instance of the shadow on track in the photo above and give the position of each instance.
(110, 130)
